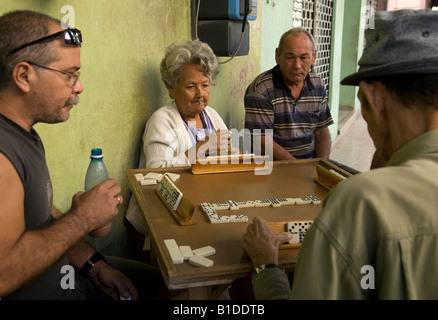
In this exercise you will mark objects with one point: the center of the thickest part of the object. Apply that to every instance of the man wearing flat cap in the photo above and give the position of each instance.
(377, 234)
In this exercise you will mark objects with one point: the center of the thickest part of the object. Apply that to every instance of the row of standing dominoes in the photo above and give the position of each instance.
(337, 174)
(152, 178)
(170, 192)
(196, 257)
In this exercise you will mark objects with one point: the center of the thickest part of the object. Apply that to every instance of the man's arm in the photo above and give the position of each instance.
(323, 143)
(272, 148)
(26, 254)
(109, 280)
(262, 247)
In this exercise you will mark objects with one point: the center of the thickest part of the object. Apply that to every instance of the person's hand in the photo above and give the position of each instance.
(261, 244)
(98, 206)
(218, 143)
(223, 143)
(112, 282)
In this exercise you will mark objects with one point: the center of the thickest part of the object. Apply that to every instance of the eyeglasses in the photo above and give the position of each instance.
(72, 76)
(71, 36)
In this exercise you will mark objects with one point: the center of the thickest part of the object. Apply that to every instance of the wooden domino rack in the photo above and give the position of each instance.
(329, 175)
(229, 163)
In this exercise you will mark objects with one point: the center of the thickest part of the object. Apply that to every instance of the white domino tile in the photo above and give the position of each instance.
(286, 201)
(238, 218)
(233, 205)
(200, 261)
(214, 218)
(274, 202)
(170, 193)
(219, 219)
(206, 207)
(303, 200)
(245, 204)
(186, 252)
(174, 251)
(204, 251)
(262, 203)
(148, 182)
(314, 199)
(220, 206)
(209, 211)
(152, 175)
(298, 229)
(173, 176)
(139, 176)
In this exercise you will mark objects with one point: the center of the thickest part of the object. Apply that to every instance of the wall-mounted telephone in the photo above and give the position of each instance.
(227, 9)
(223, 24)
(248, 7)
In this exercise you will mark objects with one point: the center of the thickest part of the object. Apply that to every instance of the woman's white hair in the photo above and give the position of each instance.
(178, 55)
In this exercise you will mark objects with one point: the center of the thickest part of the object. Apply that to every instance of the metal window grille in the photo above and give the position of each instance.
(316, 17)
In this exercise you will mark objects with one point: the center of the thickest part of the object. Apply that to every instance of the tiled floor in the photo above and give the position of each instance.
(354, 147)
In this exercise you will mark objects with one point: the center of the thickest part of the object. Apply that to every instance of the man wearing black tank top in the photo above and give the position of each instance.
(39, 82)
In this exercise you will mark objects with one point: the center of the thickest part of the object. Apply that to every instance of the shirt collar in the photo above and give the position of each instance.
(279, 81)
(425, 143)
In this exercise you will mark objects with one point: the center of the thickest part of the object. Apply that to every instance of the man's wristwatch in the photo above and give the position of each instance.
(91, 262)
(257, 270)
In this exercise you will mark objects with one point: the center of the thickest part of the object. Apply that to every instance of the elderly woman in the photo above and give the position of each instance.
(187, 128)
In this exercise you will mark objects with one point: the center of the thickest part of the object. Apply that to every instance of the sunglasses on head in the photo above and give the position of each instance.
(71, 36)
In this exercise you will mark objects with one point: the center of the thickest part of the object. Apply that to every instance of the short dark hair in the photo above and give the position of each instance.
(20, 27)
(412, 89)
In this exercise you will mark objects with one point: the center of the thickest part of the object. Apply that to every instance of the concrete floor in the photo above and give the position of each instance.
(353, 147)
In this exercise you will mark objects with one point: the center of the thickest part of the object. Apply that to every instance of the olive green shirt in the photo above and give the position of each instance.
(376, 237)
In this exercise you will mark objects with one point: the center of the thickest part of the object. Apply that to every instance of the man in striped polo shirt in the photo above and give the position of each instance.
(291, 101)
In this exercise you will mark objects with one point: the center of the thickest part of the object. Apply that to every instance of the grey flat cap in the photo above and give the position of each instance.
(403, 41)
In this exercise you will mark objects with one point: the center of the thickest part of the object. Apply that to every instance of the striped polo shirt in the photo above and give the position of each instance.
(269, 104)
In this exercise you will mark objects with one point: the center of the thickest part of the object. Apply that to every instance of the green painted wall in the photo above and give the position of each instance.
(336, 64)
(352, 43)
(123, 44)
(277, 18)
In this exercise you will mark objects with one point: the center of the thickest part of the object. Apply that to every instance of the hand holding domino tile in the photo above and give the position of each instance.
(261, 244)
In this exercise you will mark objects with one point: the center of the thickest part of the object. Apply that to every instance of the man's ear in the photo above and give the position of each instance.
(314, 57)
(375, 93)
(21, 75)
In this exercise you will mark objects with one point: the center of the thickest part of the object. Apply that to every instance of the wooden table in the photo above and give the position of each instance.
(289, 179)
